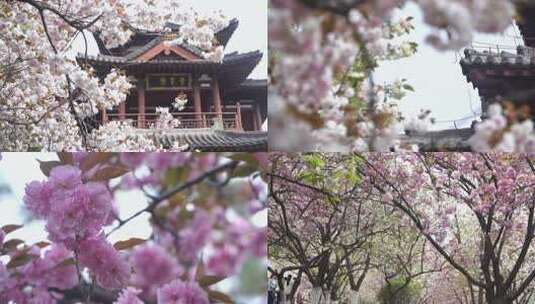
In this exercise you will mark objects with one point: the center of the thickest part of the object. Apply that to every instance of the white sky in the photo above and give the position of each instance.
(437, 78)
(251, 34)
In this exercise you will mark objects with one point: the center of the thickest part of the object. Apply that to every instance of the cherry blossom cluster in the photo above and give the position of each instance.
(200, 237)
(180, 102)
(196, 28)
(165, 120)
(498, 183)
(318, 46)
(320, 75)
(497, 133)
(45, 95)
(122, 136)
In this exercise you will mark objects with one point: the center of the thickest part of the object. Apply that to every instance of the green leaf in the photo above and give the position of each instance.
(314, 160)
(408, 87)
(122, 245)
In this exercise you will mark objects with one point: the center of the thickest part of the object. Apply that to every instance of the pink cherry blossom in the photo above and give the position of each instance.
(37, 198)
(225, 261)
(129, 296)
(47, 271)
(195, 237)
(153, 266)
(179, 292)
(110, 269)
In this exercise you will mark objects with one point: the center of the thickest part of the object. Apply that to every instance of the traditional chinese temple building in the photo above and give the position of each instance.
(505, 75)
(225, 111)
(499, 74)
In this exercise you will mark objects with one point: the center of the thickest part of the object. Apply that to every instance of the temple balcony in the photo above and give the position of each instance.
(500, 71)
(230, 121)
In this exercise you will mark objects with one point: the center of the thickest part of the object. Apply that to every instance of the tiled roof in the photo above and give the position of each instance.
(486, 70)
(139, 51)
(254, 83)
(223, 36)
(208, 140)
(524, 57)
(443, 140)
(232, 58)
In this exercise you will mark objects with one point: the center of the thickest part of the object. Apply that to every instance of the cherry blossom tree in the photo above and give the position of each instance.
(323, 55)
(47, 100)
(328, 231)
(434, 227)
(200, 209)
(489, 196)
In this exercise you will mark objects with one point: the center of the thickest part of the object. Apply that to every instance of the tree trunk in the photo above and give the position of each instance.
(319, 296)
(353, 297)
(499, 301)
(282, 296)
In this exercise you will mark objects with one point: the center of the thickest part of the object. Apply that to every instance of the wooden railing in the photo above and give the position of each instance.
(188, 120)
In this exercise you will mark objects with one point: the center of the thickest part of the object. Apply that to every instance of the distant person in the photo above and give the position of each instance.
(272, 290)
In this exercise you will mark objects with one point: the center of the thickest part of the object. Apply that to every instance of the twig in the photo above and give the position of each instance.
(168, 194)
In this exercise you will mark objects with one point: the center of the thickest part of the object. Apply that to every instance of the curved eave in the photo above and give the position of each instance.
(101, 46)
(224, 35)
(237, 67)
(232, 72)
(526, 23)
(142, 36)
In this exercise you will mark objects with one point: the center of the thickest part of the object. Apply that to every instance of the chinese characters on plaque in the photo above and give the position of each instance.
(170, 81)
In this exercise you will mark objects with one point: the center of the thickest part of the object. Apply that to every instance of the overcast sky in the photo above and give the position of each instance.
(251, 34)
(437, 78)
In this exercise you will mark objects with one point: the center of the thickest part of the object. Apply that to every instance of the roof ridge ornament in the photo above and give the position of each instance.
(170, 36)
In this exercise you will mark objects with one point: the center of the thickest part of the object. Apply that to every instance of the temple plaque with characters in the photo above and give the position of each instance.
(168, 81)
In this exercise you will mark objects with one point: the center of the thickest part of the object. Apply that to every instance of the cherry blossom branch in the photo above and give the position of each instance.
(179, 188)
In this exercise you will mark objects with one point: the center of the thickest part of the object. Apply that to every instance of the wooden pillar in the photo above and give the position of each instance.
(104, 115)
(255, 119)
(141, 105)
(238, 117)
(217, 97)
(198, 104)
(258, 116)
(122, 110)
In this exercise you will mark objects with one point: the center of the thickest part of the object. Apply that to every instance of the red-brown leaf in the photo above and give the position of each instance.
(19, 260)
(47, 166)
(109, 172)
(93, 159)
(10, 228)
(219, 297)
(122, 245)
(66, 158)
